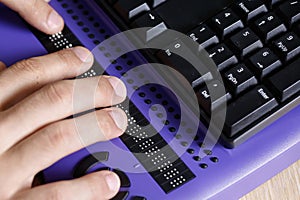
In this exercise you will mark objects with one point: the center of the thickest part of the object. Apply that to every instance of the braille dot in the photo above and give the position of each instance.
(184, 143)
(154, 108)
(166, 122)
(118, 50)
(102, 48)
(124, 56)
(172, 129)
(148, 101)
(201, 144)
(85, 12)
(164, 103)
(142, 94)
(92, 36)
(203, 165)
(86, 30)
(129, 62)
(190, 151)
(141, 76)
(130, 81)
(214, 159)
(113, 61)
(80, 6)
(189, 130)
(152, 89)
(70, 11)
(64, 5)
(171, 109)
(92, 19)
(177, 116)
(75, 17)
(159, 115)
(159, 96)
(102, 30)
(197, 158)
(80, 23)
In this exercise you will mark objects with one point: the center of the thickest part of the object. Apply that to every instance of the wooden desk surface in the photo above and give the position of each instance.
(284, 186)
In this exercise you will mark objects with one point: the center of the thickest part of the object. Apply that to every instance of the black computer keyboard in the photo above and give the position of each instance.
(255, 45)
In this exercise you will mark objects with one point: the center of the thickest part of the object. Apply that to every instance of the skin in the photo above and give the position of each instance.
(34, 131)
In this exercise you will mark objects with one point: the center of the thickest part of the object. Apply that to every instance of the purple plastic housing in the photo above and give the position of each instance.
(238, 170)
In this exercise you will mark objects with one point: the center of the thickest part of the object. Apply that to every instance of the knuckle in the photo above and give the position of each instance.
(32, 65)
(58, 93)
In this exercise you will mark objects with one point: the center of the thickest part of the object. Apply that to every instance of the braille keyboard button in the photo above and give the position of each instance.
(190, 72)
(269, 26)
(204, 36)
(129, 9)
(204, 96)
(150, 19)
(264, 62)
(239, 78)
(125, 182)
(88, 162)
(245, 42)
(248, 9)
(286, 82)
(290, 10)
(222, 56)
(138, 198)
(247, 109)
(225, 23)
(121, 196)
(287, 46)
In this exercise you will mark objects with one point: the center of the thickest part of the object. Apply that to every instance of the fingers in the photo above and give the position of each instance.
(29, 75)
(2, 66)
(63, 138)
(58, 101)
(100, 185)
(38, 13)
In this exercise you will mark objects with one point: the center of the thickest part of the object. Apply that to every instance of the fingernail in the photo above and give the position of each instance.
(119, 87)
(119, 118)
(54, 20)
(83, 54)
(112, 180)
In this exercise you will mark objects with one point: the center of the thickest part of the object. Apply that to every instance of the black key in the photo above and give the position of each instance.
(248, 9)
(264, 62)
(239, 78)
(129, 9)
(180, 64)
(245, 42)
(138, 198)
(225, 22)
(88, 162)
(204, 36)
(205, 99)
(247, 109)
(269, 26)
(183, 16)
(125, 182)
(222, 56)
(155, 3)
(287, 46)
(150, 19)
(272, 3)
(286, 82)
(120, 196)
(290, 10)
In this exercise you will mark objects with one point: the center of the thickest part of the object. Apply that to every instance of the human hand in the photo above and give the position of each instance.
(34, 102)
(38, 13)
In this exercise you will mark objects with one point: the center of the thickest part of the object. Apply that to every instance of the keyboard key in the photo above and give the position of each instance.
(129, 9)
(239, 78)
(180, 64)
(272, 3)
(225, 22)
(220, 96)
(183, 16)
(204, 36)
(245, 42)
(247, 109)
(290, 10)
(286, 82)
(121, 196)
(125, 182)
(222, 56)
(150, 19)
(155, 3)
(248, 9)
(269, 26)
(264, 62)
(288, 46)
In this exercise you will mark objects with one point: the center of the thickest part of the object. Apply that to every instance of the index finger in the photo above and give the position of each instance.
(38, 13)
